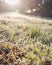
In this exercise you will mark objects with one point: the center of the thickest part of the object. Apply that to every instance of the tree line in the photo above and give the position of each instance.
(43, 7)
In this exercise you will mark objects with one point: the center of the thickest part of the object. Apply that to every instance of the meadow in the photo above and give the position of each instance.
(25, 40)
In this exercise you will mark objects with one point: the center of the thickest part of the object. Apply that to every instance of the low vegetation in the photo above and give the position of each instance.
(29, 43)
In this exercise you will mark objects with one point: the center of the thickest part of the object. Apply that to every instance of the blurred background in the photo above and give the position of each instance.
(28, 7)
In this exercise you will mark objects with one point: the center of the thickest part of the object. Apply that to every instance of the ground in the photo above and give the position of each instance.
(25, 40)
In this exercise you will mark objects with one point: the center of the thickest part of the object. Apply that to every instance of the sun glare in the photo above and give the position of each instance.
(12, 2)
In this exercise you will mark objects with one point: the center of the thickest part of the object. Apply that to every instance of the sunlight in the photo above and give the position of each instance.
(12, 2)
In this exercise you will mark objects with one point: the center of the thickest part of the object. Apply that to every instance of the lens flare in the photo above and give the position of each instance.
(12, 2)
